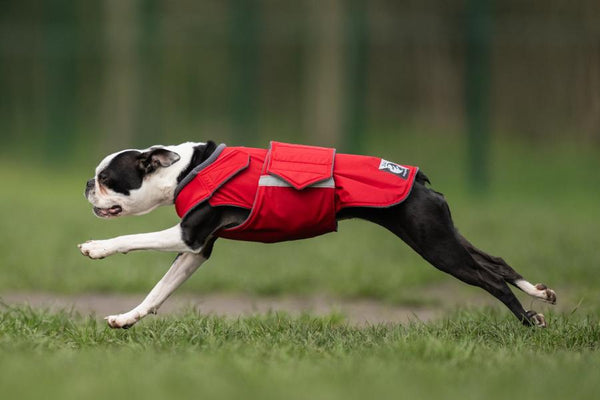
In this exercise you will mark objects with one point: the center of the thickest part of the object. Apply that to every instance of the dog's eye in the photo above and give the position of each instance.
(102, 178)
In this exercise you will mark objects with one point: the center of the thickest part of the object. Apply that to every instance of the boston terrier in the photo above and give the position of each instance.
(286, 192)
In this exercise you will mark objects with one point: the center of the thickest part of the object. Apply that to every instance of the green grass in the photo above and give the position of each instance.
(541, 215)
(471, 355)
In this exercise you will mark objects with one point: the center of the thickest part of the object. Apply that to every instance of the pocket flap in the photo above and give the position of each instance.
(299, 165)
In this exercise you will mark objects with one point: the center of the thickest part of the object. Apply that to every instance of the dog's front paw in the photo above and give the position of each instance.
(96, 249)
(123, 321)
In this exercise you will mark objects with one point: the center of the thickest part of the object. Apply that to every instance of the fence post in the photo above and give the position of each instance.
(356, 74)
(477, 91)
(324, 70)
(149, 115)
(60, 42)
(244, 64)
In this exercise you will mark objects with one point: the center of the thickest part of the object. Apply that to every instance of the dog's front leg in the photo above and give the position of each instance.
(168, 240)
(183, 267)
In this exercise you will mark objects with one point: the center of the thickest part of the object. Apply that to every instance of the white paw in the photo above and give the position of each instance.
(96, 249)
(546, 294)
(123, 321)
(537, 319)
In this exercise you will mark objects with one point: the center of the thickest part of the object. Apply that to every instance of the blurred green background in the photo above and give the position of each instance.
(498, 102)
(78, 76)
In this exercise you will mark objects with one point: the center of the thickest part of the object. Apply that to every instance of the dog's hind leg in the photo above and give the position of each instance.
(423, 221)
(448, 256)
(500, 266)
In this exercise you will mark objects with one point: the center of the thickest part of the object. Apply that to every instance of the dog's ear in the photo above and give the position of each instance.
(150, 161)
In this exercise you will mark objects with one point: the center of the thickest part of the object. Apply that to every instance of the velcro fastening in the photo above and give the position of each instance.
(300, 165)
(209, 179)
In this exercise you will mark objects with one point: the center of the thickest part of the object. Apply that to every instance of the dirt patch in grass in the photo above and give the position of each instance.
(357, 312)
(437, 302)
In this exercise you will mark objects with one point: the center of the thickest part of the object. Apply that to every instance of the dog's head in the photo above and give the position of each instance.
(135, 182)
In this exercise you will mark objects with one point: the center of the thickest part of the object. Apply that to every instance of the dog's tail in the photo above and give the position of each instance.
(422, 178)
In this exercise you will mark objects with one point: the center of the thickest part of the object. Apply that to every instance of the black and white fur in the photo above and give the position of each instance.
(135, 182)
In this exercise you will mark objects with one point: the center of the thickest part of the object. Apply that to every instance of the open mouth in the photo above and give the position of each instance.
(108, 212)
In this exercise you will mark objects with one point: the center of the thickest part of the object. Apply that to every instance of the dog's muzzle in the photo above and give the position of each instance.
(89, 186)
(108, 212)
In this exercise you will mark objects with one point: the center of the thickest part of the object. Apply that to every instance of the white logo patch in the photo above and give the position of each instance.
(394, 168)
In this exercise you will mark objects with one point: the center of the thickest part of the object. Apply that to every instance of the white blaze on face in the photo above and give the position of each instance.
(157, 187)
(139, 201)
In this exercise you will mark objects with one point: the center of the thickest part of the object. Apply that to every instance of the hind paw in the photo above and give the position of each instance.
(548, 295)
(539, 291)
(536, 319)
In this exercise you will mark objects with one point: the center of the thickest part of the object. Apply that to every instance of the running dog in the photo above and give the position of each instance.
(285, 192)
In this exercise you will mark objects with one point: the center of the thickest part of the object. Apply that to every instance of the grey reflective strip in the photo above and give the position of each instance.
(270, 180)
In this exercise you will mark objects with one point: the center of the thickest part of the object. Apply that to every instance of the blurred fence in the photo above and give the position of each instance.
(117, 73)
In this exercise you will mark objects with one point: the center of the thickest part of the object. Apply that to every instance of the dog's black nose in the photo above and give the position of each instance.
(89, 186)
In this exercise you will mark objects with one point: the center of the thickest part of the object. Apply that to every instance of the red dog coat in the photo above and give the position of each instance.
(293, 191)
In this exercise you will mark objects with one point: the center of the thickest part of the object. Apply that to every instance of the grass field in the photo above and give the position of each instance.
(472, 355)
(542, 215)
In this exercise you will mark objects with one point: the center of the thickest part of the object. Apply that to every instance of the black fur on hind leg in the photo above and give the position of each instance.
(492, 263)
(424, 222)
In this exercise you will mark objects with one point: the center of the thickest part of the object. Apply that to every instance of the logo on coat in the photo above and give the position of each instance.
(394, 168)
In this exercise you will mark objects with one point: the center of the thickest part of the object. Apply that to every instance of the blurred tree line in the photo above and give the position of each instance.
(115, 73)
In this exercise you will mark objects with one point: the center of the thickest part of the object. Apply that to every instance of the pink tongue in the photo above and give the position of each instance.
(114, 210)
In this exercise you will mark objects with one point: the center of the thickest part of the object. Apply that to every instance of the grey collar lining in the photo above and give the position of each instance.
(199, 168)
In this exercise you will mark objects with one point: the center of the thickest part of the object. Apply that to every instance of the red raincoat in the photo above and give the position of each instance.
(293, 191)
